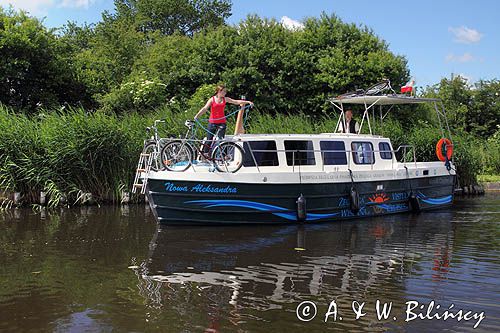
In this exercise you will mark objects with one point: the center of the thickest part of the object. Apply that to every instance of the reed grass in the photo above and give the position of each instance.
(67, 154)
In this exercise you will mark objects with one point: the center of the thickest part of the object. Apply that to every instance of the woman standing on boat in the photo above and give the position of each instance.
(217, 104)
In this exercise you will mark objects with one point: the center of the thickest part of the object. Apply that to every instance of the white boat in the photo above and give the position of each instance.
(284, 178)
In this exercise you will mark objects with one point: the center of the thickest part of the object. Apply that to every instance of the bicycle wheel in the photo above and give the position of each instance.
(150, 148)
(376, 88)
(176, 156)
(350, 94)
(227, 157)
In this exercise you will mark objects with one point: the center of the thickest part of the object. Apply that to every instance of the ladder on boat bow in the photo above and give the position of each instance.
(143, 169)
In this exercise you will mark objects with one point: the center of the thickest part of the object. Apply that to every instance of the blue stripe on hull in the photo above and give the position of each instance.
(261, 207)
(435, 201)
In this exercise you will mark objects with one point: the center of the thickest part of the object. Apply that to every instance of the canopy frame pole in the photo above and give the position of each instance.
(341, 116)
(439, 119)
(367, 115)
(446, 120)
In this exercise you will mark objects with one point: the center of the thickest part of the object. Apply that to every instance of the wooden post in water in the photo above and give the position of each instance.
(88, 199)
(17, 198)
(43, 198)
(125, 197)
(238, 128)
(64, 198)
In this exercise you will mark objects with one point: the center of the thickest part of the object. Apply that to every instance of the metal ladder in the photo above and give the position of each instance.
(144, 166)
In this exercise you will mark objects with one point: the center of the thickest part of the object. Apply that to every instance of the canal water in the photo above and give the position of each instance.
(91, 269)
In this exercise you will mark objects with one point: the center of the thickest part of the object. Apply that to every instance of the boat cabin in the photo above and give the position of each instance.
(315, 152)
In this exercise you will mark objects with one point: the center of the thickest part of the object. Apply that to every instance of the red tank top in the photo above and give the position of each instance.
(217, 112)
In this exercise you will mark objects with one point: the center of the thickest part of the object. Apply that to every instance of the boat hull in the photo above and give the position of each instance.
(194, 202)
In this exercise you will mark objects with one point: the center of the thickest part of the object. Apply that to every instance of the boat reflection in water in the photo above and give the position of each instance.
(254, 278)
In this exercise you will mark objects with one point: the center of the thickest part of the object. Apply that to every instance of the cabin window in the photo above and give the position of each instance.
(385, 150)
(333, 152)
(299, 153)
(264, 152)
(362, 153)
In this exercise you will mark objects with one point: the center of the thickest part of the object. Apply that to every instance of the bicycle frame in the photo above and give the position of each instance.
(190, 138)
(156, 140)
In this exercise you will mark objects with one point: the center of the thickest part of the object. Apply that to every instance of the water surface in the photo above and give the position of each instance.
(111, 269)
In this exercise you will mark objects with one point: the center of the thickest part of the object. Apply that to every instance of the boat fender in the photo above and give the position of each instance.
(354, 200)
(414, 203)
(301, 208)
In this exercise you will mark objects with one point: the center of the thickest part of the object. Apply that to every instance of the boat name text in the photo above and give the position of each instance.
(199, 188)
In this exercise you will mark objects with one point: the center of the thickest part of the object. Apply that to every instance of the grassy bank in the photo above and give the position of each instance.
(66, 154)
(489, 178)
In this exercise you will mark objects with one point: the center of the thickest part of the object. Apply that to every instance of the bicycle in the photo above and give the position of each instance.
(383, 85)
(178, 155)
(154, 145)
(372, 90)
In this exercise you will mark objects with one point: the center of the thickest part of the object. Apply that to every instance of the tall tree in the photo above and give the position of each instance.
(169, 16)
(34, 69)
(285, 71)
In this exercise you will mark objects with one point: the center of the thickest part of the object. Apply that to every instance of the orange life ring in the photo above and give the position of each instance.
(443, 146)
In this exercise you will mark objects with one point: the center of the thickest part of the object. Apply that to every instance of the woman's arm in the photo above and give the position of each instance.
(237, 101)
(204, 109)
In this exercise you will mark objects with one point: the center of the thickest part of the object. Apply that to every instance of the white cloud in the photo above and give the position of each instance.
(466, 57)
(41, 7)
(465, 35)
(76, 3)
(34, 7)
(291, 24)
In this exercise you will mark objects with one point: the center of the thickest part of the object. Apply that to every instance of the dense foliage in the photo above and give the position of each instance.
(76, 99)
(35, 70)
(142, 56)
(473, 109)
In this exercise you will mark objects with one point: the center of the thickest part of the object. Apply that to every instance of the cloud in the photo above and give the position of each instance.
(291, 24)
(466, 57)
(34, 7)
(465, 35)
(41, 7)
(76, 3)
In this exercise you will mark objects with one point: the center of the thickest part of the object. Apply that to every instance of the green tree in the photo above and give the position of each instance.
(473, 109)
(170, 16)
(107, 53)
(457, 99)
(282, 70)
(484, 118)
(34, 68)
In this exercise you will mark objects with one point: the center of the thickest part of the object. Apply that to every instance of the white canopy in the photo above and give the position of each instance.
(381, 100)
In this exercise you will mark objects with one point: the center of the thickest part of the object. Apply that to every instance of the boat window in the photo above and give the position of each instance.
(385, 150)
(362, 153)
(333, 152)
(264, 152)
(299, 153)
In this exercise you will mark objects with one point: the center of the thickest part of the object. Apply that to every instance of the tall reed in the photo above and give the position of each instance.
(73, 152)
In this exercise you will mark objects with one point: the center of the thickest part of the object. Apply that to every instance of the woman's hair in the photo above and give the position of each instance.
(220, 87)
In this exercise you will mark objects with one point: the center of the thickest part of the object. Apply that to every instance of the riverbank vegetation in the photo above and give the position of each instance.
(75, 100)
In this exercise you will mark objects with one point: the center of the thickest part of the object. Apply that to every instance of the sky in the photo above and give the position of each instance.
(438, 38)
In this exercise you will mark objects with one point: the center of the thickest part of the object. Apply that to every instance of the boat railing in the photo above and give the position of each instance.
(404, 152)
